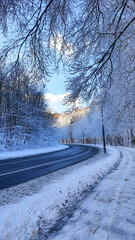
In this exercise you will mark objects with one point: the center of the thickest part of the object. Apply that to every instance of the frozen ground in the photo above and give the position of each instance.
(108, 211)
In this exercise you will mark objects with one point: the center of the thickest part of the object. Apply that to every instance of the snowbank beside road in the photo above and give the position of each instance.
(28, 152)
(108, 212)
(24, 219)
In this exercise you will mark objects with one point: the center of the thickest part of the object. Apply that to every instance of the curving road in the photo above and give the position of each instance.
(18, 170)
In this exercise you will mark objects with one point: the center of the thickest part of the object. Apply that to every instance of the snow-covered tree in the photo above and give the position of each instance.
(91, 30)
(24, 119)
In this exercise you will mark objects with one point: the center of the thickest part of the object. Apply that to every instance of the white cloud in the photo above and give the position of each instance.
(55, 102)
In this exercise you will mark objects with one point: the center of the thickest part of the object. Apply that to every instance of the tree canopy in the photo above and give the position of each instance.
(95, 33)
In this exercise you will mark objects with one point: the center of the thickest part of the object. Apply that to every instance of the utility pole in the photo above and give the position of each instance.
(71, 130)
(83, 137)
(103, 131)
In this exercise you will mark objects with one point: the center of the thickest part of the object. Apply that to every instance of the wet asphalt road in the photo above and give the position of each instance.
(22, 169)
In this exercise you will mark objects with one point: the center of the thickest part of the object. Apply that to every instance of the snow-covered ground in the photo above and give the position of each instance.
(28, 152)
(108, 212)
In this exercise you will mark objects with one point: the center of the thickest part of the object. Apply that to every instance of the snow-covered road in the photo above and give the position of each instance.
(108, 211)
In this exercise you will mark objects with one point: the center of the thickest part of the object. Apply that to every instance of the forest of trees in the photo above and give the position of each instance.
(95, 41)
(25, 120)
(88, 128)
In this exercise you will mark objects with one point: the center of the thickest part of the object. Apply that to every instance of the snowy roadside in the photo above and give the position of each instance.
(49, 195)
(29, 152)
(108, 212)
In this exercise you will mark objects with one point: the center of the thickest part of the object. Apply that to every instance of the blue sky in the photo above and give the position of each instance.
(55, 91)
(56, 84)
